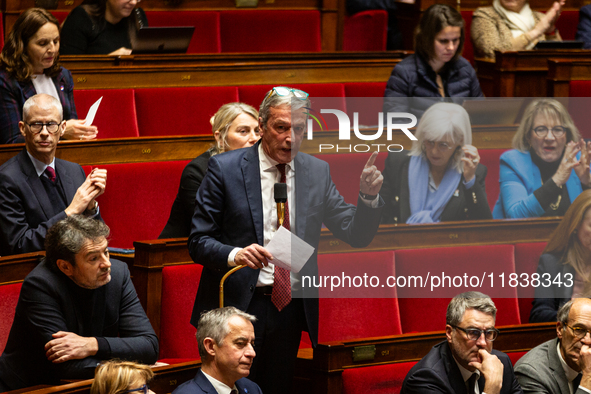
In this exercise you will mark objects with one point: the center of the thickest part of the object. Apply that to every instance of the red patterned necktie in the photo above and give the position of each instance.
(281, 295)
(50, 172)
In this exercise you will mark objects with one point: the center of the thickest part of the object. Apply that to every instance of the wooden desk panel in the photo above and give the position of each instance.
(562, 71)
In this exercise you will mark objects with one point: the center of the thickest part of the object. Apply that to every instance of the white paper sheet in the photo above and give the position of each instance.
(288, 250)
(92, 112)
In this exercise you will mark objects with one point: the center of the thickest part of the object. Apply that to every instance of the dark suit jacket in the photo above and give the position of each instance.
(49, 302)
(584, 27)
(229, 214)
(469, 204)
(549, 299)
(438, 372)
(179, 221)
(200, 384)
(540, 371)
(26, 212)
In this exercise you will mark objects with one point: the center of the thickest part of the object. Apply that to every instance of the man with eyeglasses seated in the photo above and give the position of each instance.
(561, 365)
(225, 337)
(75, 309)
(236, 218)
(36, 189)
(466, 361)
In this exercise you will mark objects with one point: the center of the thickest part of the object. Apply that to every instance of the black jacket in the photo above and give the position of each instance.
(414, 78)
(468, 204)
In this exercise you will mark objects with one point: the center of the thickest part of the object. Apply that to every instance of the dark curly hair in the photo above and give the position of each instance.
(14, 57)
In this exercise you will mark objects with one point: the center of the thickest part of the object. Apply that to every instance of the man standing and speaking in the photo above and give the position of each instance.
(235, 218)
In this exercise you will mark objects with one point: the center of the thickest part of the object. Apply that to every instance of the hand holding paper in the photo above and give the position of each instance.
(289, 251)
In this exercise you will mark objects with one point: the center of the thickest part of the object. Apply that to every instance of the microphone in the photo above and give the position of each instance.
(280, 192)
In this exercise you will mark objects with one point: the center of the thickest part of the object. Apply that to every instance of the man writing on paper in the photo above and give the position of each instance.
(235, 218)
(36, 189)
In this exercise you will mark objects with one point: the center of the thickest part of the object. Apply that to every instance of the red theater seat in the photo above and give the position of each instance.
(366, 31)
(567, 24)
(378, 379)
(60, 15)
(180, 111)
(578, 107)
(116, 117)
(270, 31)
(367, 99)
(359, 311)
(345, 170)
(9, 296)
(477, 261)
(177, 335)
(515, 356)
(491, 158)
(135, 203)
(468, 52)
(527, 256)
(206, 38)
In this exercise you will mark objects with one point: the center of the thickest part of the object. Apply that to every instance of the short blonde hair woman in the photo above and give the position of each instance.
(118, 377)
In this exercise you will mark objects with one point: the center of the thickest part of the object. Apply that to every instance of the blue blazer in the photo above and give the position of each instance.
(26, 212)
(229, 214)
(200, 384)
(519, 177)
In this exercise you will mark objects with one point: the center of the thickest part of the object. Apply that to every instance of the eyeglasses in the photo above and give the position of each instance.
(474, 333)
(558, 131)
(285, 91)
(579, 332)
(144, 389)
(52, 127)
(441, 146)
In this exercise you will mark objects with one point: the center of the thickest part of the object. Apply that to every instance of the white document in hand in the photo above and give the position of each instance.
(92, 112)
(288, 250)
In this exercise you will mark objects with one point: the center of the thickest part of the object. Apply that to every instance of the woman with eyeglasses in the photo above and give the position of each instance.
(565, 267)
(548, 168)
(441, 178)
(29, 64)
(235, 126)
(118, 377)
(102, 27)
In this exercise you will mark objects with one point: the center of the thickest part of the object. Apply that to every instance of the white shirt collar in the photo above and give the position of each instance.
(39, 165)
(220, 387)
(571, 374)
(268, 164)
(465, 373)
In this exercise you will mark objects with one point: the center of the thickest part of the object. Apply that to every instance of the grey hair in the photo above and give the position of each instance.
(224, 117)
(214, 324)
(273, 100)
(564, 311)
(469, 300)
(444, 121)
(549, 108)
(43, 101)
(65, 238)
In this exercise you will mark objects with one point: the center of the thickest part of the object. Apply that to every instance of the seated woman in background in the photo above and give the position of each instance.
(567, 258)
(102, 27)
(545, 172)
(441, 178)
(235, 126)
(29, 65)
(437, 68)
(511, 25)
(118, 377)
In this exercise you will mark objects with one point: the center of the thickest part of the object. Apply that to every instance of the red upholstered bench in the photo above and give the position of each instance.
(567, 24)
(116, 116)
(345, 170)
(366, 31)
(177, 335)
(346, 317)
(468, 52)
(515, 356)
(453, 261)
(270, 31)
(206, 38)
(9, 296)
(135, 203)
(367, 99)
(491, 158)
(180, 111)
(527, 256)
(379, 379)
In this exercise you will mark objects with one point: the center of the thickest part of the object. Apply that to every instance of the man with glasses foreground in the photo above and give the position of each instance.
(236, 218)
(75, 309)
(561, 365)
(466, 361)
(36, 189)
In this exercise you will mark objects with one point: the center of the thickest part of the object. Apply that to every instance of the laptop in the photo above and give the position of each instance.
(173, 39)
